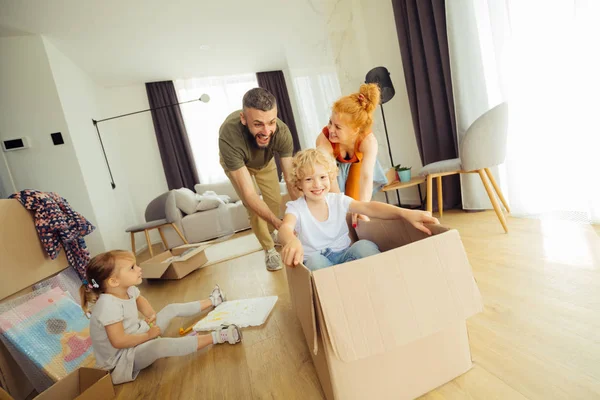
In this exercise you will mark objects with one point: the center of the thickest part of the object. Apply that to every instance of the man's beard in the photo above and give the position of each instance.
(262, 146)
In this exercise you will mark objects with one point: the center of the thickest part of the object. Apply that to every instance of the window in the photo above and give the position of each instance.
(315, 94)
(203, 120)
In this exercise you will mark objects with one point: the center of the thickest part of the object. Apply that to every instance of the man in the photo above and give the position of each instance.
(247, 141)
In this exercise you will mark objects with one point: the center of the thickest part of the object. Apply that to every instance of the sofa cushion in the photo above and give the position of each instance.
(211, 195)
(209, 204)
(219, 188)
(209, 200)
(186, 200)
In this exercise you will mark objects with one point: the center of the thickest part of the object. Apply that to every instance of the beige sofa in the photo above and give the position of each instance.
(199, 226)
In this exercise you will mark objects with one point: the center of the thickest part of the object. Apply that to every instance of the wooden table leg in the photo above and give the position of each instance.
(421, 204)
(429, 193)
(440, 197)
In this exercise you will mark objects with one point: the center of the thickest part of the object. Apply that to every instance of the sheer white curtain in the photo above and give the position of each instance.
(202, 120)
(540, 56)
(315, 94)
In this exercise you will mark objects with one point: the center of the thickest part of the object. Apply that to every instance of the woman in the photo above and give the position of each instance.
(349, 139)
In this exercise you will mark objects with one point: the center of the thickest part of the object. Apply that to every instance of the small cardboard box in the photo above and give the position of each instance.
(393, 325)
(81, 384)
(174, 264)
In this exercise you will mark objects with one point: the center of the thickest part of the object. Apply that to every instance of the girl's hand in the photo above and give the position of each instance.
(151, 319)
(293, 253)
(153, 332)
(419, 218)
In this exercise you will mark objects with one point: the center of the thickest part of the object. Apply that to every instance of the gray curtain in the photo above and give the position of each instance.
(171, 135)
(274, 82)
(421, 28)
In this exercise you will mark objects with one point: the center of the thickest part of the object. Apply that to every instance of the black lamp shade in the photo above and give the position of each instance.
(381, 76)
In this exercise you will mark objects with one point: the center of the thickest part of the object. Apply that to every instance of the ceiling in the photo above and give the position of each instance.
(125, 42)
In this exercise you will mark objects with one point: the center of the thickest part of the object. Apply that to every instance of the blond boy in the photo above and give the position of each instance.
(318, 217)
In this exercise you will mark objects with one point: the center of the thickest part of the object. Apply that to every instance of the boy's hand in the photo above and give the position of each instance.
(153, 332)
(293, 253)
(418, 218)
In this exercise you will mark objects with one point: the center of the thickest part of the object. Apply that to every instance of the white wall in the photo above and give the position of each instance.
(362, 35)
(384, 50)
(132, 149)
(315, 89)
(7, 186)
(80, 97)
(31, 107)
(349, 38)
(311, 75)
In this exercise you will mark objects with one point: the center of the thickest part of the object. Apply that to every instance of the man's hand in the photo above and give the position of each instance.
(243, 181)
(419, 218)
(293, 253)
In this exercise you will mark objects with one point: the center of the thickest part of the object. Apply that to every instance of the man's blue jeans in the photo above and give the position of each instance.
(328, 258)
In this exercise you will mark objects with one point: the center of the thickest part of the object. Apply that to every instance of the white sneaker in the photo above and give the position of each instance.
(227, 333)
(275, 236)
(273, 260)
(217, 296)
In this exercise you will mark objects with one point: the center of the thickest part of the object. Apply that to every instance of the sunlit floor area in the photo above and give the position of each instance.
(536, 339)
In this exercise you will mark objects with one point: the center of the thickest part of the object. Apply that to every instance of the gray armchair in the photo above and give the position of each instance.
(157, 218)
(483, 146)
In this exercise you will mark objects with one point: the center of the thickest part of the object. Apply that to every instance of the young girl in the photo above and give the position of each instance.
(125, 344)
(319, 217)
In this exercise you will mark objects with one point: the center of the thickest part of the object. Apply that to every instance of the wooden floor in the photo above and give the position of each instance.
(538, 338)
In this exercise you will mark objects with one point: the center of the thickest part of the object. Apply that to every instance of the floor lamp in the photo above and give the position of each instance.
(204, 98)
(381, 77)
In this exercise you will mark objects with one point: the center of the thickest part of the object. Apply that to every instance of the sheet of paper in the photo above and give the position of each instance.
(243, 313)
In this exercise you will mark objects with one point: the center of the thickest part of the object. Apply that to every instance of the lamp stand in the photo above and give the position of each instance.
(204, 98)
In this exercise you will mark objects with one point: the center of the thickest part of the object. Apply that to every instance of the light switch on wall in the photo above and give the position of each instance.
(57, 138)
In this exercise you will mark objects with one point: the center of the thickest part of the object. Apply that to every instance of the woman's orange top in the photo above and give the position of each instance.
(352, 188)
(356, 157)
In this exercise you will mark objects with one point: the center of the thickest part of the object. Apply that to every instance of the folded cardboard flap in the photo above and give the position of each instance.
(175, 263)
(388, 300)
(89, 377)
(81, 384)
(156, 267)
(393, 233)
(301, 293)
(190, 251)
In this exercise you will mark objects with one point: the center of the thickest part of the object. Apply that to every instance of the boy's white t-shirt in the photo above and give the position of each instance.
(317, 236)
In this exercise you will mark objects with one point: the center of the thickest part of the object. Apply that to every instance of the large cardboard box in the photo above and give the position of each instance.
(175, 263)
(81, 384)
(393, 325)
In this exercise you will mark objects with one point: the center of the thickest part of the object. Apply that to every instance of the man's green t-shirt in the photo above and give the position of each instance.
(238, 148)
